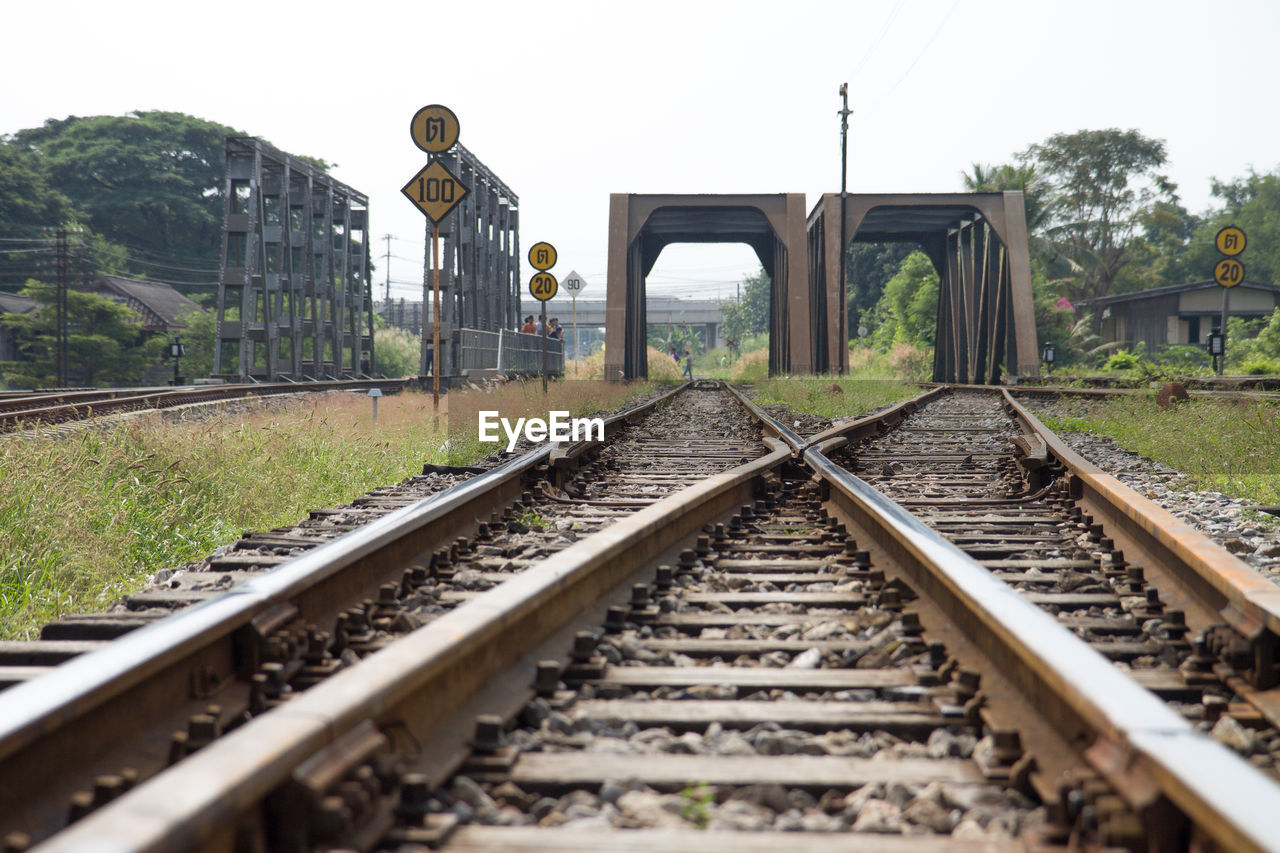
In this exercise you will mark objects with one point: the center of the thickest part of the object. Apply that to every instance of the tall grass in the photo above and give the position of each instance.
(813, 394)
(85, 518)
(1231, 446)
(662, 367)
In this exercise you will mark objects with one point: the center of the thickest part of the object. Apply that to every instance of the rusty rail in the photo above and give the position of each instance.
(1191, 570)
(1137, 743)
(125, 690)
(60, 408)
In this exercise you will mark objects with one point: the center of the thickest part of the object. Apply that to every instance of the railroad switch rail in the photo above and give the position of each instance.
(775, 648)
(238, 651)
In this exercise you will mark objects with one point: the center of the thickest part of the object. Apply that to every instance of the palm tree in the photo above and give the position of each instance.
(1037, 203)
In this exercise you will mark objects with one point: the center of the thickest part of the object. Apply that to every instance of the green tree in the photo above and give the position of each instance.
(105, 343)
(868, 268)
(396, 352)
(749, 314)
(908, 310)
(151, 181)
(1253, 203)
(1102, 183)
(198, 340)
(1037, 203)
(27, 202)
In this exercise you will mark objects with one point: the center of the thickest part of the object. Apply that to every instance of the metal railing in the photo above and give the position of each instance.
(507, 351)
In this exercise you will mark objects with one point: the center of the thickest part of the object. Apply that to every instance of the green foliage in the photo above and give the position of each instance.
(26, 199)
(907, 312)
(1230, 446)
(397, 352)
(1102, 184)
(663, 338)
(105, 345)
(150, 180)
(1185, 357)
(868, 268)
(198, 338)
(748, 314)
(1260, 367)
(698, 802)
(1123, 360)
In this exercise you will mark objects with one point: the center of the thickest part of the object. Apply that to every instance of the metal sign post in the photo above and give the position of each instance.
(1228, 272)
(574, 283)
(543, 286)
(436, 191)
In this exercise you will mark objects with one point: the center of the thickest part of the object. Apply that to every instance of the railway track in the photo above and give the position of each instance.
(758, 645)
(1183, 617)
(282, 609)
(36, 409)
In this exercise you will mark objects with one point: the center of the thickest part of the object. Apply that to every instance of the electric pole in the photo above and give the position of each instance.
(844, 249)
(387, 259)
(60, 338)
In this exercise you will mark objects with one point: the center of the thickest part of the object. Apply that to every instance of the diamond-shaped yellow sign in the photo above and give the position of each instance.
(435, 190)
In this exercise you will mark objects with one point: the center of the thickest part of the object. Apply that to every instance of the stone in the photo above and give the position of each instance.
(969, 830)
(649, 809)
(1238, 546)
(467, 791)
(1230, 733)
(878, 816)
(740, 816)
(773, 797)
(808, 659)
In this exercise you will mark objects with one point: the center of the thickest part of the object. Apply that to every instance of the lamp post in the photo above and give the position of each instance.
(1047, 355)
(176, 351)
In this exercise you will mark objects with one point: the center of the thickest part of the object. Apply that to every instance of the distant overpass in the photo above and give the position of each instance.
(659, 311)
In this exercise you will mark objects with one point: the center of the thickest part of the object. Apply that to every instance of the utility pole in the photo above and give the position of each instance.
(387, 260)
(844, 252)
(60, 337)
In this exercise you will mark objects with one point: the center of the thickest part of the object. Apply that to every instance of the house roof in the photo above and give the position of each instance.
(1170, 289)
(12, 303)
(160, 303)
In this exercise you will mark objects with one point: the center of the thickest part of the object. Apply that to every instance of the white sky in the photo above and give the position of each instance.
(570, 101)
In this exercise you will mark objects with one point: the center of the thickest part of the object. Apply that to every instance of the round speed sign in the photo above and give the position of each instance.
(543, 286)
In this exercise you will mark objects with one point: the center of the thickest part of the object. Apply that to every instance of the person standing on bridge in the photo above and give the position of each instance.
(557, 331)
(528, 328)
(688, 364)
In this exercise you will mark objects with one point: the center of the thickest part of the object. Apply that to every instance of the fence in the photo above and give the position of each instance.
(509, 352)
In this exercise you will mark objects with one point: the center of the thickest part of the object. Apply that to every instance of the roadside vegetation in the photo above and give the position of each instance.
(814, 395)
(1231, 446)
(86, 518)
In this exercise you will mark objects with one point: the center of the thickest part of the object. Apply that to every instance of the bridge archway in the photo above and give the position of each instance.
(640, 226)
(977, 243)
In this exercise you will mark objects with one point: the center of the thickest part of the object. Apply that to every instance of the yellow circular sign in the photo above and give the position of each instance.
(543, 286)
(1228, 272)
(1230, 241)
(434, 129)
(542, 256)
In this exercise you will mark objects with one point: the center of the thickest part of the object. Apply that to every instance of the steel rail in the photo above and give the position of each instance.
(408, 686)
(109, 402)
(772, 424)
(62, 715)
(1137, 743)
(1153, 538)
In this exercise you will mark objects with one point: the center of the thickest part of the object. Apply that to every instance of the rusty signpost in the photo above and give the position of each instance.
(543, 286)
(1228, 272)
(436, 192)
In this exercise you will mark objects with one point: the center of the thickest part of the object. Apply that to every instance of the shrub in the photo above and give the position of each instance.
(1259, 367)
(1123, 360)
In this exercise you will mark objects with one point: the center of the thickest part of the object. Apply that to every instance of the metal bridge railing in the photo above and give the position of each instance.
(511, 352)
